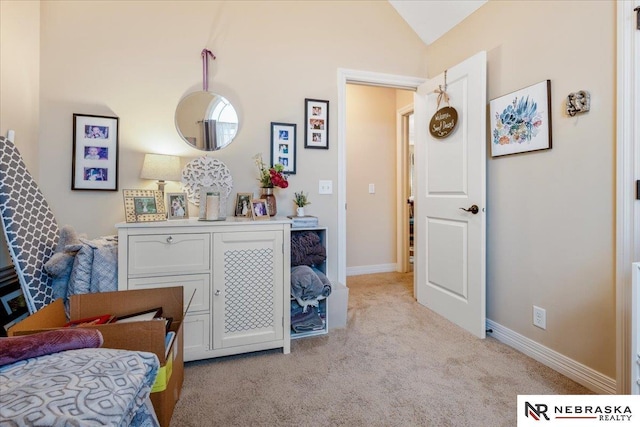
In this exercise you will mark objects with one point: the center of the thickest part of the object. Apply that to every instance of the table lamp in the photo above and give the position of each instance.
(162, 168)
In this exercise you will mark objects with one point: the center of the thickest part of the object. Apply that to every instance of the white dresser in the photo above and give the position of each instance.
(237, 270)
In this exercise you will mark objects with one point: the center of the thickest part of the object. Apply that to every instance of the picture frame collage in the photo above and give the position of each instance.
(95, 153)
(284, 135)
(283, 146)
(316, 120)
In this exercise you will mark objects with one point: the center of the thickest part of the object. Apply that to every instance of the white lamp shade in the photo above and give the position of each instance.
(161, 167)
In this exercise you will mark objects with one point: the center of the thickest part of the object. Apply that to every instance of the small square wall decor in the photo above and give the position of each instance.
(521, 120)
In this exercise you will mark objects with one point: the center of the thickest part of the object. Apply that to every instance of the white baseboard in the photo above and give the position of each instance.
(582, 374)
(371, 269)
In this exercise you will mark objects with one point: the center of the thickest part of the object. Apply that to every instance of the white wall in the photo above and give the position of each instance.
(371, 159)
(135, 60)
(550, 216)
(20, 81)
(371, 151)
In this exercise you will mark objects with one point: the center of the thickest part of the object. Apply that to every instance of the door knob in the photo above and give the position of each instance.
(217, 292)
(473, 209)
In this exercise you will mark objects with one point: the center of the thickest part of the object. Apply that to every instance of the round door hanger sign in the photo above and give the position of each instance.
(443, 122)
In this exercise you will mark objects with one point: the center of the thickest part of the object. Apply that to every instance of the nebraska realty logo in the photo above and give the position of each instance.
(578, 410)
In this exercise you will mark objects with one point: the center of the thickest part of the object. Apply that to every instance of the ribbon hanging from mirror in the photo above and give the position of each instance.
(206, 53)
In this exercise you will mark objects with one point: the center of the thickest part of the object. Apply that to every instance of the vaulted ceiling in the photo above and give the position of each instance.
(430, 19)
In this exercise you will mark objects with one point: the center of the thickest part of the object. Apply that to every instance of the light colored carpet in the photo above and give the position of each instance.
(395, 364)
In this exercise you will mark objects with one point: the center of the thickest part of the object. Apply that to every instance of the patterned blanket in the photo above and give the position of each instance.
(86, 387)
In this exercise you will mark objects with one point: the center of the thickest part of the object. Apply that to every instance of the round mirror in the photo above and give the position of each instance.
(206, 121)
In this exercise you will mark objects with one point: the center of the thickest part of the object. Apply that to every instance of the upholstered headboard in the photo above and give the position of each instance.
(29, 226)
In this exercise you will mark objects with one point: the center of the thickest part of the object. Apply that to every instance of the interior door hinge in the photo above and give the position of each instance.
(637, 11)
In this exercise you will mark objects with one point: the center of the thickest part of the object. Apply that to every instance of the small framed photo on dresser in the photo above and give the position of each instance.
(259, 209)
(144, 205)
(95, 153)
(243, 204)
(178, 206)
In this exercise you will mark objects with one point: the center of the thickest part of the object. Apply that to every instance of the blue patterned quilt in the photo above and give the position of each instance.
(86, 387)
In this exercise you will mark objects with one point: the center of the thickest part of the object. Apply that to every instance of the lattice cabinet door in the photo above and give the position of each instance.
(247, 288)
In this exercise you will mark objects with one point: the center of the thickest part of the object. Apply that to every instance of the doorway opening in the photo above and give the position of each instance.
(378, 181)
(355, 77)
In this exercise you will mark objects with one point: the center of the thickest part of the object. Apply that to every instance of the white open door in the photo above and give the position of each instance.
(450, 259)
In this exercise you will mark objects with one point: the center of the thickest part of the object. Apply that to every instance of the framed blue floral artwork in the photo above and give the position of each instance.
(521, 120)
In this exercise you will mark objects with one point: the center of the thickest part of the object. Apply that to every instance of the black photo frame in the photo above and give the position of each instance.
(283, 146)
(521, 120)
(95, 153)
(316, 124)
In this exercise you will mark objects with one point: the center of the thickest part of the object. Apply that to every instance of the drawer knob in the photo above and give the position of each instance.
(169, 239)
(217, 292)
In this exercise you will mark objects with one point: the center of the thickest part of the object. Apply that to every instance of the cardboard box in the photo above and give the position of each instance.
(138, 336)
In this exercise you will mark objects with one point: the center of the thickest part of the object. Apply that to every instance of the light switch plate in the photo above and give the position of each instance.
(325, 187)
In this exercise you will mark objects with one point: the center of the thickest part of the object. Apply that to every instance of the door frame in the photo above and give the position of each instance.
(368, 78)
(627, 171)
(403, 168)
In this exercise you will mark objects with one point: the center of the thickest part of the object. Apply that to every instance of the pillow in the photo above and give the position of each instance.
(59, 265)
(15, 349)
(95, 268)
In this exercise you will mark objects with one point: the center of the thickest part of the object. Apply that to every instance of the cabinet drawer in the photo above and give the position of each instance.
(192, 282)
(196, 337)
(168, 253)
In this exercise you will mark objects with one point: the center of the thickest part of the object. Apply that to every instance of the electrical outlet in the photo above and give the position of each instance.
(540, 317)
